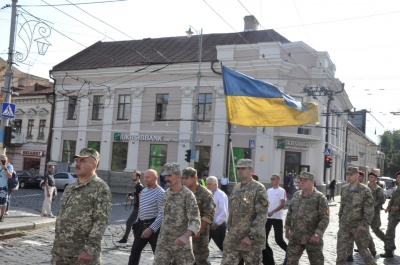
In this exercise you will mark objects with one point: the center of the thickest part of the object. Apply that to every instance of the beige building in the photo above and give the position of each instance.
(134, 102)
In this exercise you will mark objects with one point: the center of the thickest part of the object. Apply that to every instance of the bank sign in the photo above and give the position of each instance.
(150, 138)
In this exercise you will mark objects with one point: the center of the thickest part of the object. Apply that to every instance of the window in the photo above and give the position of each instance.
(158, 156)
(68, 151)
(161, 107)
(94, 145)
(17, 126)
(98, 104)
(29, 134)
(119, 156)
(303, 131)
(42, 125)
(72, 108)
(205, 106)
(123, 107)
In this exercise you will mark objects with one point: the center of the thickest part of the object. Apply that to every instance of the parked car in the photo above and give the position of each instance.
(27, 179)
(62, 179)
(389, 184)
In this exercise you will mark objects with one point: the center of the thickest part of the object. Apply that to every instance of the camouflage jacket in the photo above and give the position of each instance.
(356, 207)
(180, 213)
(308, 214)
(395, 201)
(378, 195)
(248, 209)
(205, 202)
(82, 218)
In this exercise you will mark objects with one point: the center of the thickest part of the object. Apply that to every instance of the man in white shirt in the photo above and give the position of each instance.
(276, 198)
(218, 227)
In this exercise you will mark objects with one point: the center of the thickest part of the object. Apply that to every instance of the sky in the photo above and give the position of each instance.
(360, 36)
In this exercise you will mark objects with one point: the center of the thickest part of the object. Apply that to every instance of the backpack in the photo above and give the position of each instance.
(13, 182)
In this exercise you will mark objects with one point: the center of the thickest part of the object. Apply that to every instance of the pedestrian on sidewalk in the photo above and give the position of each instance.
(205, 203)
(5, 173)
(355, 216)
(218, 226)
(224, 184)
(332, 187)
(246, 222)
(277, 199)
(394, 219)
(135, 198)
(306, 221)
(49, 189)
(149, 217)
(83, 214)
(181, 221)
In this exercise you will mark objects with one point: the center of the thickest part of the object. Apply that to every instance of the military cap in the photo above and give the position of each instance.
(88, 152)
(306, 175)
(189, 172)
(352, 170)
(372, 174)
(171, 168)
(244, 163)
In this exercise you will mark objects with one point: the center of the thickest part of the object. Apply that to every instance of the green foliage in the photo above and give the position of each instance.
(390, 144)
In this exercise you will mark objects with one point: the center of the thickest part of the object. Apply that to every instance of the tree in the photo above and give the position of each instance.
(390, 145)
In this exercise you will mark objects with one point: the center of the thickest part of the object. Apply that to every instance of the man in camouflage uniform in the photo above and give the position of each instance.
(306, 221)
(355, 216)
(247, 216)
(83, 214)
(181, 221)
(205, 202)
(379, 200)
(394, 219)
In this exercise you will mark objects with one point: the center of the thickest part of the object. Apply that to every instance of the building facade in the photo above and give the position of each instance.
(133, 101)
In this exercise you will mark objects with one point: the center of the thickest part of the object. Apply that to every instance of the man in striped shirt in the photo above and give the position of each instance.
(149, 217)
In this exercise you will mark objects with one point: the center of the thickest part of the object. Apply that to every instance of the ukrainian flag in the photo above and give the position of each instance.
(251, 102)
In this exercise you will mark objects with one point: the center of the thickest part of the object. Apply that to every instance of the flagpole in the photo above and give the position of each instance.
(233, 162)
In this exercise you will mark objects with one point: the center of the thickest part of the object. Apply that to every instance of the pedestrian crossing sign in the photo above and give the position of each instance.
(7, 110)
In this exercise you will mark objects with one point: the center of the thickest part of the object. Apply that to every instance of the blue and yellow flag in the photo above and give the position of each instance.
(251, 102)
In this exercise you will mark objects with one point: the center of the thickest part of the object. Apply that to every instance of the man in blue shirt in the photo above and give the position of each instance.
(5, 173)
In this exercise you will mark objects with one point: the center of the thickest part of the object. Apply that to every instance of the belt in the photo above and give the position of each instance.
(147, 223)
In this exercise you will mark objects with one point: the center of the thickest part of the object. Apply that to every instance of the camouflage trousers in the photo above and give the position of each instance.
(59, 260)
(376, 224)
(347, 235)
(200, 248)
(167, 250)
(391, 234)
(314, 252)
(251, 255)
(371, 245)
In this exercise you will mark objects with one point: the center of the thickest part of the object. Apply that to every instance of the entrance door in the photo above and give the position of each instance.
(292, 162)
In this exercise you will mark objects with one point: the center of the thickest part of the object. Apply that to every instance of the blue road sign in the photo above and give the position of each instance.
(252, 144)
(8, 110)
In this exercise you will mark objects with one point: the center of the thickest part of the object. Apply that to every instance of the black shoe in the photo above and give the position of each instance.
(122, 241)
(2, 218)
(355, 250)
(350, 258)
(387, 254)
(373, 253)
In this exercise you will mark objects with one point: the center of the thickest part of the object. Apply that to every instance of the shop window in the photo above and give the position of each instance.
(158, 156)
(124, 102)
(97, 110)
(161, 106)
(119, 156)
(68, 151)
(205, 106)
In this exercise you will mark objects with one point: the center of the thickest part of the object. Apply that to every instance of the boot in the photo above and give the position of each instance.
(387, 254)
(350, 258)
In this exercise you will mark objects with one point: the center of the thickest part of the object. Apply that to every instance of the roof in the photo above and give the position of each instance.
(37, 89)
(161, 50)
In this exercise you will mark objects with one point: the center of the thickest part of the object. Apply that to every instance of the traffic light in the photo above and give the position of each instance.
(8, 136)
(328, 162)
(187, 155)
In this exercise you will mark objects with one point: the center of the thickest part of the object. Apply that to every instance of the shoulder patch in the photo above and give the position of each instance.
(328, 212)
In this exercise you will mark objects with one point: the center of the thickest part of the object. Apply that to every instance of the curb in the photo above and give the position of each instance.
(26, 225)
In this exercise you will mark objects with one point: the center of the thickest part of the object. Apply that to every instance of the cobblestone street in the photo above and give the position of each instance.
(34, 247)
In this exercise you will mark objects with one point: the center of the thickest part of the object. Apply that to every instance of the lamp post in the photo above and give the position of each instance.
(28, 31)
(196, 110)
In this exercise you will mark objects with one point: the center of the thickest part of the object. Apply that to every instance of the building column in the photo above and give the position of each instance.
(106, 137)
(218, 150)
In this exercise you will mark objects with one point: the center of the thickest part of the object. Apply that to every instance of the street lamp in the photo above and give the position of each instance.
(196, 110)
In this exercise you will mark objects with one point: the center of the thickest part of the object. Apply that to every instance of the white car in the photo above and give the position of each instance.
(388, 185)
(62, 180)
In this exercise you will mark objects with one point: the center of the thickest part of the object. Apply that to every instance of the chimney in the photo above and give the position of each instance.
(250, 23)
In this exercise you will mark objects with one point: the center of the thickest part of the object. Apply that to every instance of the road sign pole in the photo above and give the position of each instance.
(8, 76)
